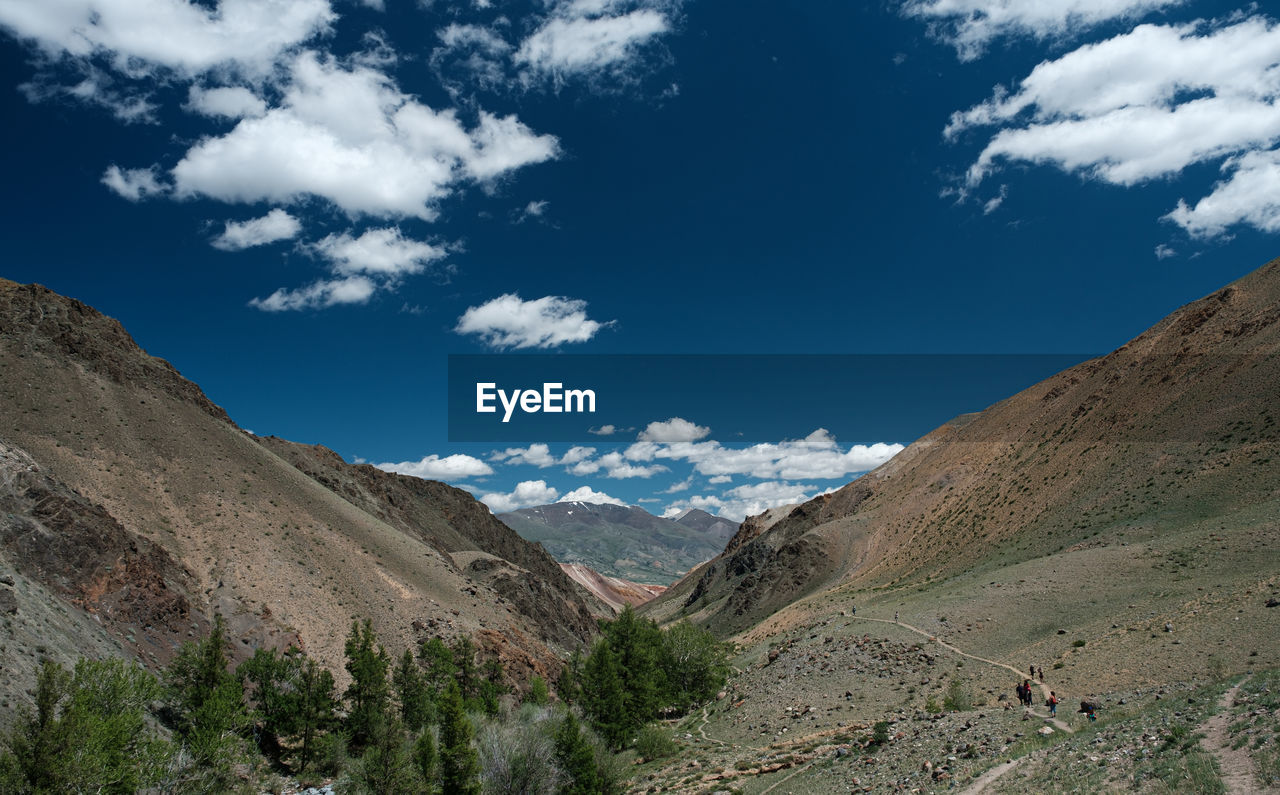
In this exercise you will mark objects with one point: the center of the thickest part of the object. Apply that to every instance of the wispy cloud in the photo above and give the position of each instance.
(971, 25)
(376, 260)
(134, 184)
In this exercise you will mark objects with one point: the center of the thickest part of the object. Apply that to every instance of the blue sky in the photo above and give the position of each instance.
(306, 205)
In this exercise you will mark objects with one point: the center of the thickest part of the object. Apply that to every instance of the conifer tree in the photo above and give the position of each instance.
(576, 757)
(464, 662)
(635, 643)
(459, 765)
(411, 691)
(316, 707)
(605, 698)
(368, 693)
(424, 759)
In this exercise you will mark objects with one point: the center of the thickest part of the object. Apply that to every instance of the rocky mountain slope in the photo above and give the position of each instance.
(626, 542)
(1134, 491)
(614, 592)
(136, 500)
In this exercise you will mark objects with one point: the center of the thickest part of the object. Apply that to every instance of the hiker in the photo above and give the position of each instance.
(895, 615)
(1026, 688)
(1022, 694)
(1033, 672)
(1042, 674)
(1052, 703)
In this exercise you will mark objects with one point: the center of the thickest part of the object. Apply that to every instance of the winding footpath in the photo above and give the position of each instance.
(1234, 764)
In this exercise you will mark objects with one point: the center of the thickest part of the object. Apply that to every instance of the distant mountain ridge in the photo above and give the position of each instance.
(621, 541)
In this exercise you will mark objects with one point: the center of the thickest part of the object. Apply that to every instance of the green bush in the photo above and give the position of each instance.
(958, 698)
(655, 743)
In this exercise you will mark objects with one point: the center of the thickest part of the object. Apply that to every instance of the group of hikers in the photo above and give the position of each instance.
(1026, 691)
(1026, 695)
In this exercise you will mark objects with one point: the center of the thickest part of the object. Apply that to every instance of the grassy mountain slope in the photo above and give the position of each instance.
(1132, 491)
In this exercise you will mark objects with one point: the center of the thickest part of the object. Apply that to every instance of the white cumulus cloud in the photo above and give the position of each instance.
(525, 494)
(574, 44)
(1249, 195)
(187, 37)
(274, 226)
(383, 252)
(226, 102)
(510, 322)
(675, 429)
(538, 455)
(433, 467)
(347, 134)
(588, 494)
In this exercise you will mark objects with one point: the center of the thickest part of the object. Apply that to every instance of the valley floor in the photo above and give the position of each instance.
(799, 716)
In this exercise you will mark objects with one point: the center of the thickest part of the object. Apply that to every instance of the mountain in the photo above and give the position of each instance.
(1130, 494)
(622, 541)
(614, 592)
(704, 522)
(134, 508)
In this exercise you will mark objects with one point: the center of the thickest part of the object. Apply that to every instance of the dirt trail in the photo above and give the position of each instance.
(1234, 765)
(1044, 689)
(981, 783)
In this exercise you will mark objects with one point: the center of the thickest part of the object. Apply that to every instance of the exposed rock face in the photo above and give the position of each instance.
(612, 591)
(1180, 423)
(56, 537)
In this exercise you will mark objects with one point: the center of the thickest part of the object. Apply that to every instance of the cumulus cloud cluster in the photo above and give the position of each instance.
(187, 38)
(779, 469)
(818, 455)
(297, 126)
(346, 133)
(1146, 105)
